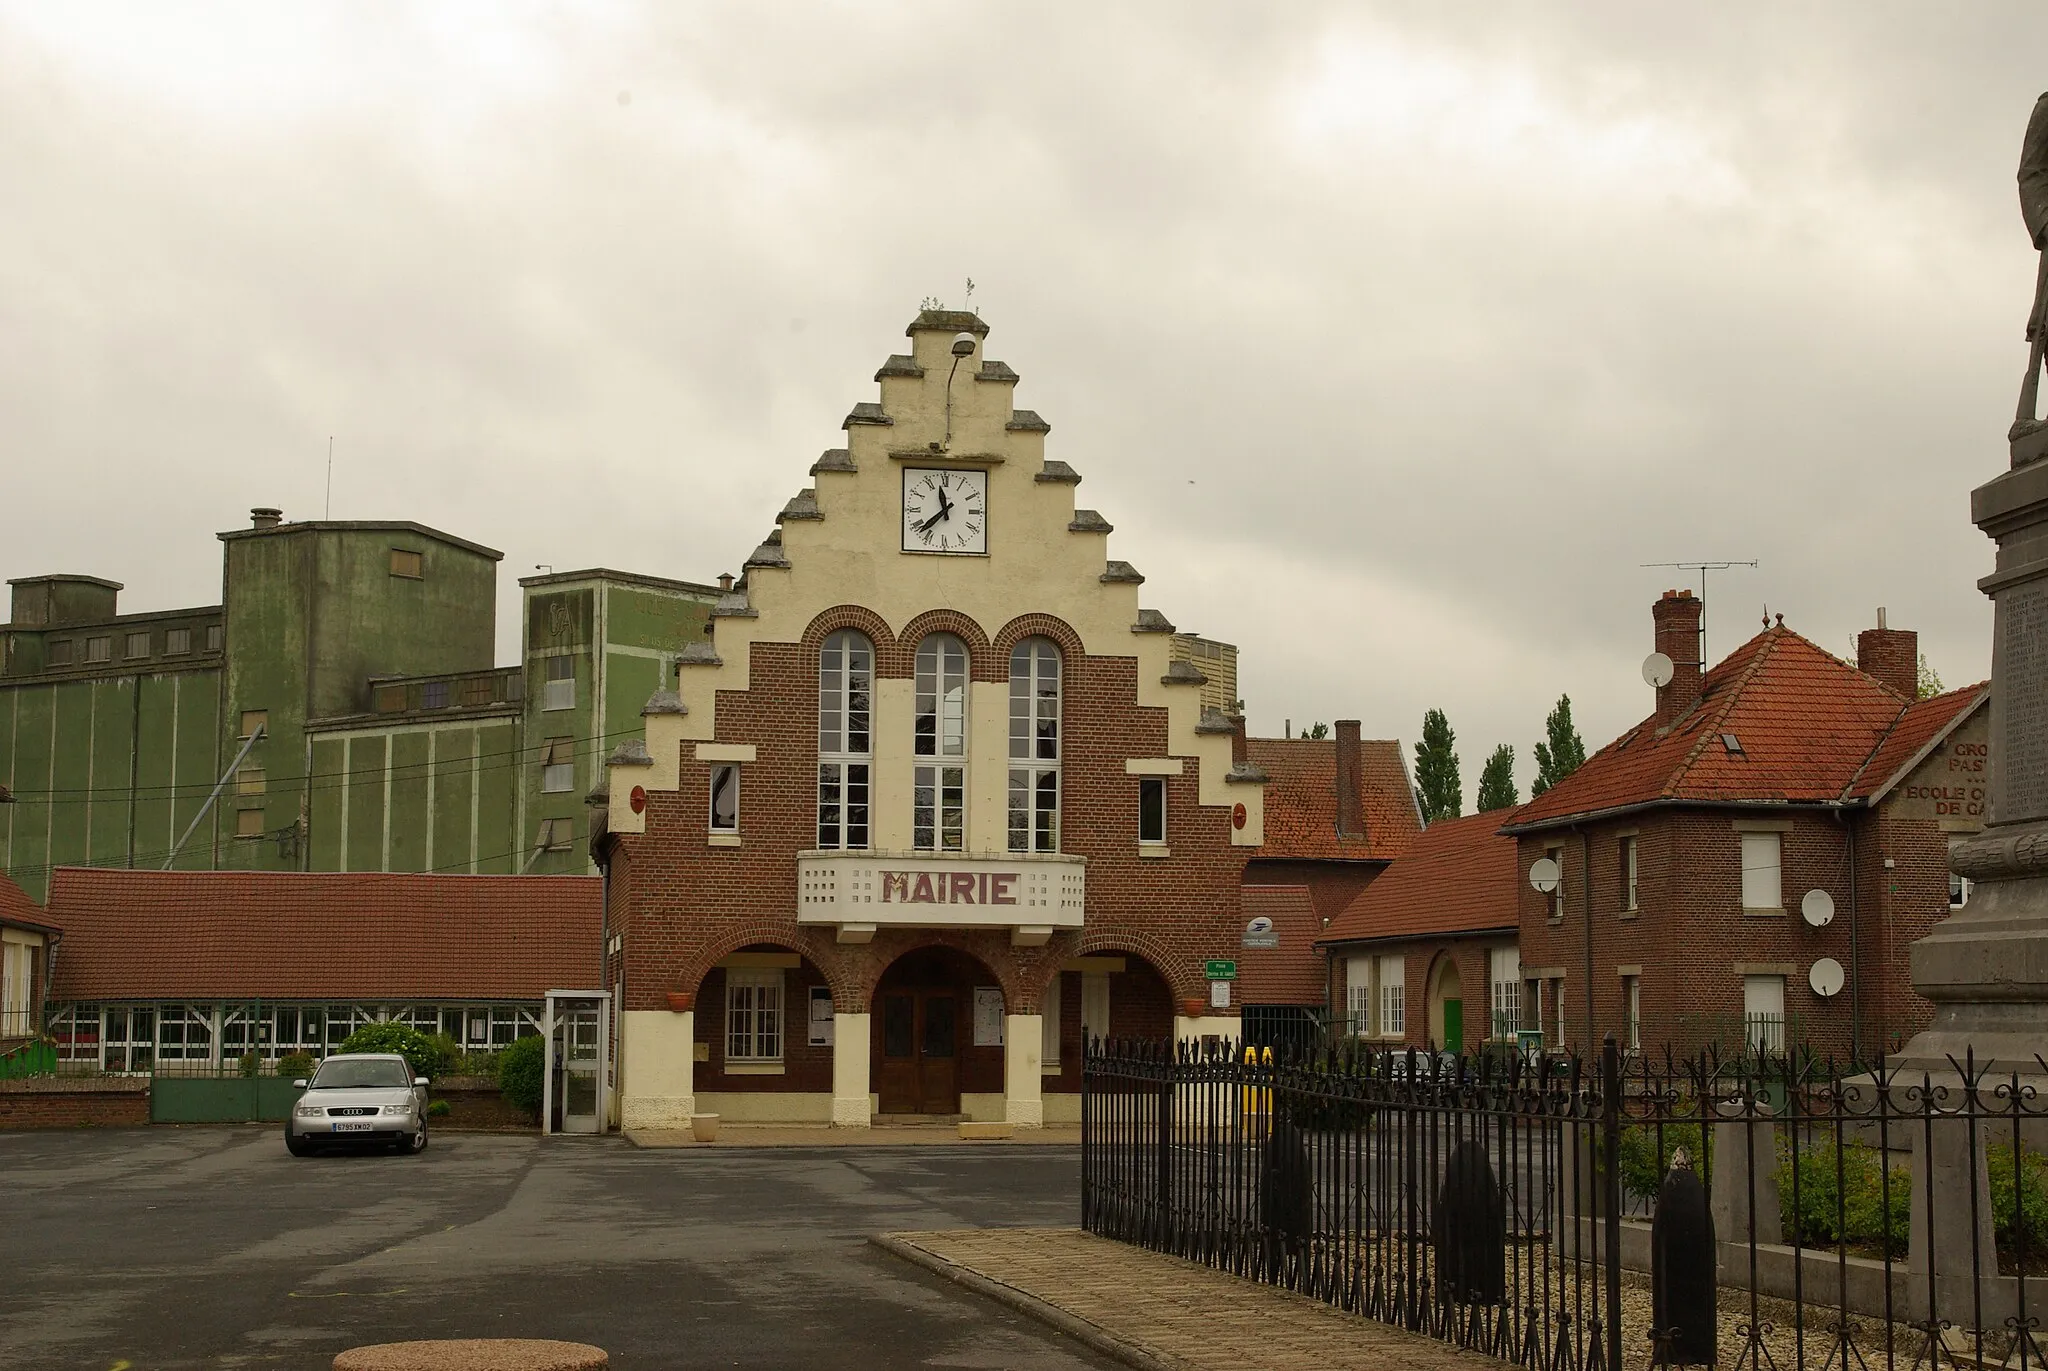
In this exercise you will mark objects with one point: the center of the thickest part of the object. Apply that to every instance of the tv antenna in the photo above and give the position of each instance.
(1702, 568)
(327, 511)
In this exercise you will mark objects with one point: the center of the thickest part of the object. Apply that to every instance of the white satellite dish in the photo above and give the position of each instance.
(1817, 907)
(1658, 670)
(1543, 874)
(1826, 978)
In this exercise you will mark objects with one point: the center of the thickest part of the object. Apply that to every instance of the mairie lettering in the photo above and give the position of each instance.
(949, 887)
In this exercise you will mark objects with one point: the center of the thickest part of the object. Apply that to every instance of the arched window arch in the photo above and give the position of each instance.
(846, 749)
(938, 821)
(1034, 818)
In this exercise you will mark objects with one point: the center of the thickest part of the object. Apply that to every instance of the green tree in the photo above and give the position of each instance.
(1316, 731)
(421, 1053)
(520, 1070)
(1930, 679)
(1562, 753)
(1497, 781)
(1438, 791)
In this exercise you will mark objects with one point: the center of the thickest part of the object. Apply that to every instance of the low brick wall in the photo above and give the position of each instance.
(474, 1105)
(74, 1102)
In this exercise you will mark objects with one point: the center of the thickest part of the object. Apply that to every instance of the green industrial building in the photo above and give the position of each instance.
(341, 700)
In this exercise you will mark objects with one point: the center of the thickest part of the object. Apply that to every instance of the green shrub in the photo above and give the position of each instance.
(447, 1054)
(1646, 1155)
(439, 1109)
(417, 1048)
(1857, 1212)
(295, 1065)
(251, 1062)
(2019, 1212)
(520, 1070)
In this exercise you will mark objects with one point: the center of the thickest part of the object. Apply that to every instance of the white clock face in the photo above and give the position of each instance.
(945, 510)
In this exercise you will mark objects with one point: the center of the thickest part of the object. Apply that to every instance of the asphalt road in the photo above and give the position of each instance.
(210, 1247)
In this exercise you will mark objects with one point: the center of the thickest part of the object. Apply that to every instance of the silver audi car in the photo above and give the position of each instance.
(362, 1098)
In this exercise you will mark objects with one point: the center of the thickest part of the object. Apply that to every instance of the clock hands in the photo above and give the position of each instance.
(945, 512)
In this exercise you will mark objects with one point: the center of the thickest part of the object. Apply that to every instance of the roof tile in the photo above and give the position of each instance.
(1458, 876)
(1301, 799)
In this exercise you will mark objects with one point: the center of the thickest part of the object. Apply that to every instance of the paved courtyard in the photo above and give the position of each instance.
(211, 1247)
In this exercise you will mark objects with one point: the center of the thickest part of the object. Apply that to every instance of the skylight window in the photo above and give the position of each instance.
(1733, 744)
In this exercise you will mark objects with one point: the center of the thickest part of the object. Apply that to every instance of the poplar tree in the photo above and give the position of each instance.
(1562, 754)
(1497, 781)
(1438, 791)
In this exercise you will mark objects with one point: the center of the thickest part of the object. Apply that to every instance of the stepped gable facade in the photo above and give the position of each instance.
(1752, 861)
(933, 801)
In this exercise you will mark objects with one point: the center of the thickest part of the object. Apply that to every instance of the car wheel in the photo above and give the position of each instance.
(417, 1142)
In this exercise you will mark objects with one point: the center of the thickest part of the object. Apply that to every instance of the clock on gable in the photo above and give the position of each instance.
(945, 510)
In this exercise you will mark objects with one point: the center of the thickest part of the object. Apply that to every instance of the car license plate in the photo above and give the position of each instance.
(352, 1128)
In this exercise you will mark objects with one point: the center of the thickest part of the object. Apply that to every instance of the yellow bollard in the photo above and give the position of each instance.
(1258, 1099)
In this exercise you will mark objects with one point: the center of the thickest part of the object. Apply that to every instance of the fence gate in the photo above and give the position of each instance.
(219, 1096)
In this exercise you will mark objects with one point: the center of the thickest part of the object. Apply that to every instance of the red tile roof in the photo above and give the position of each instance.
(1301, 799)
(17, 908)
(1291, 973)
(1920, 727)
(294, 935)
(1807, 722)
(1458, 877)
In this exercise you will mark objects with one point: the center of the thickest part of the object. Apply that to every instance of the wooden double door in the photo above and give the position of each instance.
(917, 1049)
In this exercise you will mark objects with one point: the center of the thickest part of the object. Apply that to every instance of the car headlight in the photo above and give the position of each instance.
(397, 1109)
(308, 1111)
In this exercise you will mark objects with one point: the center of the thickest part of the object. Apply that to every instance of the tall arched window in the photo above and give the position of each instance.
(1035, 746)
(846, 678)
(938, 820)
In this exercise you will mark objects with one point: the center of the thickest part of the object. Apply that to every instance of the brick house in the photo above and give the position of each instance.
(196, 968)
(1776, 828)
(1338, 810)
(936, 798)
(1427, 955)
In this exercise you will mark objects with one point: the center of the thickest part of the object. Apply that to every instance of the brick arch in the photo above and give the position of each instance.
(815, 948)
(1004, 963)
(1178, 973)
(904, 659)
(826, 622)
(1038, 626)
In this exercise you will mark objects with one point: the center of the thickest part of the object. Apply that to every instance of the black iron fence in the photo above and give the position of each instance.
(1763, 1209)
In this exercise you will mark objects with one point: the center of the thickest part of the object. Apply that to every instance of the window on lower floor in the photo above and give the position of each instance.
(843, 805)
(1094, 1005)
(1049, 1021)
(753, 1015)
(1034, 809)
(1151, 809)
(725, 798)
(1763, 1011)
(1958, 891)
(1358, 995)
(1393, 977)
(1504, 971)
(1632, 1011)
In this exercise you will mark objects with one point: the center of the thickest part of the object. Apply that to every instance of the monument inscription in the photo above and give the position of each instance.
(2020, 706)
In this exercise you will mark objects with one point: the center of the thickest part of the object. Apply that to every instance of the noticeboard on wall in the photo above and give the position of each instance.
(988, 1016)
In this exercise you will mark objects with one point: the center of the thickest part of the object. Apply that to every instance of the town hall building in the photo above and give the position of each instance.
(937, 797)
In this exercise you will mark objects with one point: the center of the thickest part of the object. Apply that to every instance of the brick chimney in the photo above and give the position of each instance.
(1677, 617)
(263, 516)
(1892, 655)
(725, 581)
(1350, 781)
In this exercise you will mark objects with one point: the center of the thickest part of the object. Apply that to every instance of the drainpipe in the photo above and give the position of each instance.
(1855, 980)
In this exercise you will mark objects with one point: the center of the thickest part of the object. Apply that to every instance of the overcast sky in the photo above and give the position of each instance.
(1392, 338)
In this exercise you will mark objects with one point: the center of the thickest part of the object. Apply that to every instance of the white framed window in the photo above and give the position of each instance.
(1049, 1020)
(1761, 860)
(753, 1015)
(846, 679)
(725, 798)
(1034, 813)
(1763, 1011)
(559, 689)
(938, 820)
(1958, 890)
(558, 766)
(1556, 854)
(1532, 1000)
(1358, 1004)
(1504, 973)
(1627, 855)
(1151, 809)
(1632, 1011)
(1393, 979)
